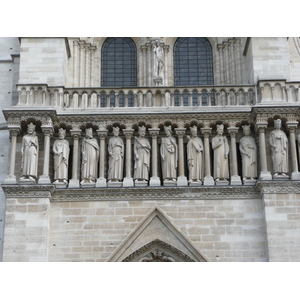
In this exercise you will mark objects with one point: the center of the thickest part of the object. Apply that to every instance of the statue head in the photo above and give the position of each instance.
(194, 130)
(142, 130)
(277, 123)
(220, 129)
(89, 132)
(30, 128)
(61, 133)
(246, 129)
(116, 131)
(168, 130)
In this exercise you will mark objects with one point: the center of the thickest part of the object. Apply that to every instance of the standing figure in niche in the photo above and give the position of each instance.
(90, 157)
(221, 151)
(142, 156)
(158, 58)
(30, 153)
(169, 155)
(116, 156)
(249, 154)
(194, 156)
(279, 146)
(61, 152)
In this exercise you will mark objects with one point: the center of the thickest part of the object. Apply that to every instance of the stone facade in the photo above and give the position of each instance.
(55, 83)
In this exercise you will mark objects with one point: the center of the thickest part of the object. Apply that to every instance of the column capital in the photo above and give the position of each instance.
(261, 126)
(75, 133)
(47, 130)
(14, 130)
(102, 133)
(233, 131)
(128, 132)
(206, 131)
(291, 125)
(154, 132)
(180, 132)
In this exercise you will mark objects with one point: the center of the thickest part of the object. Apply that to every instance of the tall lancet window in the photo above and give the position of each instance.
(193, 63)
(118, 62)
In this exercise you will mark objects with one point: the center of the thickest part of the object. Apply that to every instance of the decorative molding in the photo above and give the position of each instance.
(279, 187)
(157, 250)
(156, 193)
(28, 191)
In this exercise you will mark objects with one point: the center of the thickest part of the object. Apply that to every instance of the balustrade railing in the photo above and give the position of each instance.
(100, 98)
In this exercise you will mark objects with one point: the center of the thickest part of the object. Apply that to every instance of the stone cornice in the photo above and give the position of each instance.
(279, 187)
(155, 193)
(28, 191)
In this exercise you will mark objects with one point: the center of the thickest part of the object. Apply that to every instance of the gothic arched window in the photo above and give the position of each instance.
(118, 62)
(193, 63)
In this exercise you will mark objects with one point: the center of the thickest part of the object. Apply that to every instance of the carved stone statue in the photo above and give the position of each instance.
(61, 152)
(169, 155)
(29, 153)
(116, 156)
(90, 157)
(194, 156)
(158, 52)
(249, 154)
(141, 151)
(279, 146)
(221, 151)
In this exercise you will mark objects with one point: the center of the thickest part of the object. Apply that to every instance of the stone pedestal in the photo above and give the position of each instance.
(140, 183)
(101, 182)
(44, 179)
(74, 183)
(114, 183)
(266, 175)
(235, 180)
(195, 183)
(154, 181)
(88, 184)
(295, 176)
(249, 182)
(182, 181)
(60, 185)
(208, 180)
(222, 182)
(127, 182)
(27, 181)
(280, 177)
(170, 182)
(10, 179)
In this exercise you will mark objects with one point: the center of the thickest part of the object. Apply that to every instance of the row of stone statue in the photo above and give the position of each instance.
(168, 152)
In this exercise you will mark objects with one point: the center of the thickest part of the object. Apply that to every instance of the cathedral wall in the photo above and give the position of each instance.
(224, 230)
(270, 58)
(282, 213)
(44, 60)
(294, 52)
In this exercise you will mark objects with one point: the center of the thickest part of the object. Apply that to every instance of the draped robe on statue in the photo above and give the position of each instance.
(249, 157)
(90, 157)
(194, 156)
(169, 153)
(142, 164)
(30, 149)
(61, 152)
(279, 145)
(116, 148)
(220, 147)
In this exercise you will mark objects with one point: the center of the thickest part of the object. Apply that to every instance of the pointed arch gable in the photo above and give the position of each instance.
(157, 226)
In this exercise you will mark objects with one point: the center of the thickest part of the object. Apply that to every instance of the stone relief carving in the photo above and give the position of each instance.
(248, 152)
(279, 147)
(116, 156)
(61, 151)
(194, 156)
(169, 155)
(29, 153)
(90, 157)
(221, 151)
(141, 150)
